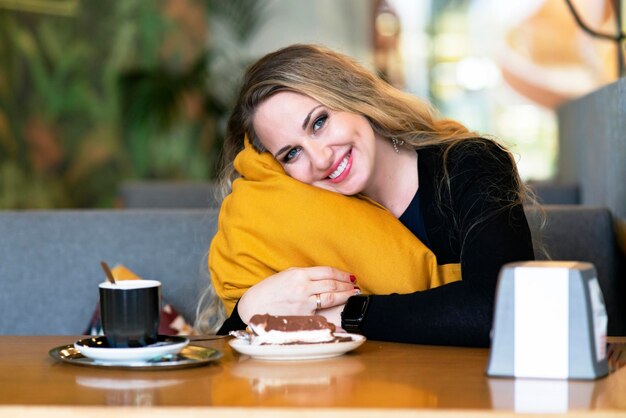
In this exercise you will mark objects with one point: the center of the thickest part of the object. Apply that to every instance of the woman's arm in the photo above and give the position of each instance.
(293, 292)
(490, 231)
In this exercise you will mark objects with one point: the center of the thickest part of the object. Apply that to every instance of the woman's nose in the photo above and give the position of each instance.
(321, 156)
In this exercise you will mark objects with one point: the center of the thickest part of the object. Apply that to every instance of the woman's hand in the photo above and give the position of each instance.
(295, 292)
(333, 315)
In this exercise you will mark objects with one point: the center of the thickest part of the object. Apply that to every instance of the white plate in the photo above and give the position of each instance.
(298, 351)
(96, 348)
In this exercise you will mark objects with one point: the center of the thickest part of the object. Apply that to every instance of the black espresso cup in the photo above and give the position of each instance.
(130, 312)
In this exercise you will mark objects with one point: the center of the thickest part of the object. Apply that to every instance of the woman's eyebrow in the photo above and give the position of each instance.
(308, 117)
(280, 151)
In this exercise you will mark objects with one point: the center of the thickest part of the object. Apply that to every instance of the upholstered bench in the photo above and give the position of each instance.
(50, 260)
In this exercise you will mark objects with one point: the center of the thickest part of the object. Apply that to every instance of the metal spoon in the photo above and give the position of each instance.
(108, 272)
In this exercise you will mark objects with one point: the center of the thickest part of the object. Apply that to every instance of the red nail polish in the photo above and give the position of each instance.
(353, 278)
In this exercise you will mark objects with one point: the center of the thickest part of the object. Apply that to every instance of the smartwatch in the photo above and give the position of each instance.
(354, 313)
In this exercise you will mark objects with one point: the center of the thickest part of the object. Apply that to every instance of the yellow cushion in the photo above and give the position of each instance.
(271, 222)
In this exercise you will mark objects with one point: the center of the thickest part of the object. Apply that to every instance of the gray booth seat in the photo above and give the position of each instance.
(50, 260)
(168, 195)
(556, 193)
(585, 233)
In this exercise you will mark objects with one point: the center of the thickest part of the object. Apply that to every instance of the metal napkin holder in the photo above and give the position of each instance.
(549, 322)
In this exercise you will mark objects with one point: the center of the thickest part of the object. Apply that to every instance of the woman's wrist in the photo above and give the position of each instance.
(243, 309)
(354, 313)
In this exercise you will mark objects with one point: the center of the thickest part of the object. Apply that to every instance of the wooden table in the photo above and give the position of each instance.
(377, 379)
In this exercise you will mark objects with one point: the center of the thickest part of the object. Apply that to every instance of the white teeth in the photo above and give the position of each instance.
(339, 169)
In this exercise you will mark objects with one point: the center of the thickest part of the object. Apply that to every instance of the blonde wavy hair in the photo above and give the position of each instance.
(210, 311)
(341, 84)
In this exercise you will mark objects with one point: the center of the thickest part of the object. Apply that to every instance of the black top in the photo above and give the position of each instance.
(413, 219)
(474, 221)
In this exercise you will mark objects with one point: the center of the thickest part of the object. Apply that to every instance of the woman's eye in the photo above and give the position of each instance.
(319, 122)
(291, 154)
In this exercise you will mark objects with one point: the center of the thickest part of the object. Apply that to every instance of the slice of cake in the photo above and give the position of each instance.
(268, 329)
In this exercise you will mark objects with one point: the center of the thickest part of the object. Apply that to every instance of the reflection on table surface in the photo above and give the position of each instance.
(121, 391)
(314, 377)
(398, 377)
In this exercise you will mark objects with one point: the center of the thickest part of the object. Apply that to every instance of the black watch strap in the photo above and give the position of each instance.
(354, 312)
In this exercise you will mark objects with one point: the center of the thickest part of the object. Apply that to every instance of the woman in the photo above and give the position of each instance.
(333, 125)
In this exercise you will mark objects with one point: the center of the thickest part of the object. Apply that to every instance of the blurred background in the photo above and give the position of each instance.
(97, 94)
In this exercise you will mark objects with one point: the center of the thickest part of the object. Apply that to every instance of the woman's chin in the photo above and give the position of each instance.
(347, 187)
(347, 190)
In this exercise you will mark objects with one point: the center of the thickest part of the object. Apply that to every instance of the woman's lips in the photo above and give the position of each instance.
(342, 170)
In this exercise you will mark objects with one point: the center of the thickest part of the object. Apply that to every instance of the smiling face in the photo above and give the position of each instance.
(333, 150)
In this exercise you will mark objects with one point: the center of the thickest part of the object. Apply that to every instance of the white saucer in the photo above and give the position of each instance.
(190, 356)
(97, 348)
(298, 351)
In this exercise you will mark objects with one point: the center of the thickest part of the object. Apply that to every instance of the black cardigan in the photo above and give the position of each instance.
(474, 221)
